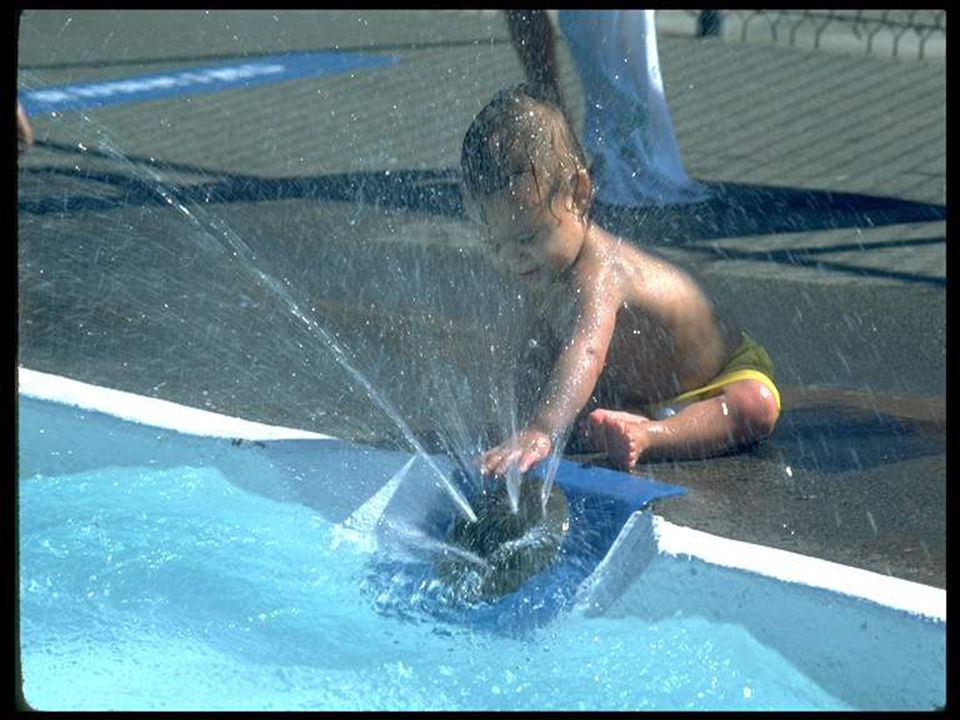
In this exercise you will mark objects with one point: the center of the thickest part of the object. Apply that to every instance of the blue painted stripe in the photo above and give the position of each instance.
(205, 79)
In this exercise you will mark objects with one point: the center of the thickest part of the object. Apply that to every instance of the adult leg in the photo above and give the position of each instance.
(628, 131)
(533, 39)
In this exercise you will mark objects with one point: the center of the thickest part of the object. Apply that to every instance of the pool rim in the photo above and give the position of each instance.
(670, 539)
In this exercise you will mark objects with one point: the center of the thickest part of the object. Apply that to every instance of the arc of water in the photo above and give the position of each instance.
(553, 463)
(365, 517)
(359, 526)
(241, 250)
(424, 542)
(514, 480)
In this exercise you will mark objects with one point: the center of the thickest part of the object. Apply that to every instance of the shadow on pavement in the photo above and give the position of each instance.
(736, 210)
(733, 210)
(834, 439)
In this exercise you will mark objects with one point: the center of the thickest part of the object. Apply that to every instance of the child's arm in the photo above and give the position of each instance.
(571, 383)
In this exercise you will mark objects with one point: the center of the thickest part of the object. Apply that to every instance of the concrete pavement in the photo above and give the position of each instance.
(147, 229)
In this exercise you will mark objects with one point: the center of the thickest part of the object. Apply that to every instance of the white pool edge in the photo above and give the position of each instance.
(150, 411)
(671, 539)
(786, 566)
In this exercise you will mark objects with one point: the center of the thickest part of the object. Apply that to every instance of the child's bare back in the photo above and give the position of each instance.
(666, 336)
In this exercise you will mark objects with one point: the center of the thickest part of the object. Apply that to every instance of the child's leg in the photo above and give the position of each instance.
(743, 413)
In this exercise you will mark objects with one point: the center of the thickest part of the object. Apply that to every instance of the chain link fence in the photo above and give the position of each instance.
(907, 34)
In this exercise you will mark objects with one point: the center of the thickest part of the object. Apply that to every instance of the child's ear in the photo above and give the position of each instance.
(582, 191)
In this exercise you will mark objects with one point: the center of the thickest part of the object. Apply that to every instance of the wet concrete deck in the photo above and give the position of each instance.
(826, 239)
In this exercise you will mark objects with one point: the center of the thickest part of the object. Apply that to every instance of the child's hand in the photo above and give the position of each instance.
(525, 449)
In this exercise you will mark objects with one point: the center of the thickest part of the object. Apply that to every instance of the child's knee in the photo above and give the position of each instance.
(755, 405)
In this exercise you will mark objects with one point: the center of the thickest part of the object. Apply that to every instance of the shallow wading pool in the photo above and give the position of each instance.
(172, 558)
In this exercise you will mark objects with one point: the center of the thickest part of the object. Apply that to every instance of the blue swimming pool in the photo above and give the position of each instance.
(161, 569)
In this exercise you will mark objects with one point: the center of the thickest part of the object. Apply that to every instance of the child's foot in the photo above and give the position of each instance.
(621, 435)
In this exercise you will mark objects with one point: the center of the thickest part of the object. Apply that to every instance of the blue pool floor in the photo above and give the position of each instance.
(173, 589)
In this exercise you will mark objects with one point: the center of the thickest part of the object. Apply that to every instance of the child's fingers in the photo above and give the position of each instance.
(499, 460)
(508, 460)
(488, 461)
(531, 458)
(526, 461)
(492, 461)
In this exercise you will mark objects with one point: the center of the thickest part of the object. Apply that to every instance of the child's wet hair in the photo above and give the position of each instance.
(522, 130)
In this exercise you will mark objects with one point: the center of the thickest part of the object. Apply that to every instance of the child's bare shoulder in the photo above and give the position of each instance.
(649, 280)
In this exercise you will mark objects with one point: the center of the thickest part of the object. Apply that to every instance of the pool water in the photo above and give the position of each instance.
(172, 588)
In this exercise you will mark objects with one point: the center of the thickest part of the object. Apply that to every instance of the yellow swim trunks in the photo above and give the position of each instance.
(749, 362)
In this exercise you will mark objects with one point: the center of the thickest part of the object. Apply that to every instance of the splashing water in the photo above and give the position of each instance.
(243, 252)
(221, 238)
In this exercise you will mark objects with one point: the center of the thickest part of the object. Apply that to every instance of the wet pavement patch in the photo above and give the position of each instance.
(839, 439)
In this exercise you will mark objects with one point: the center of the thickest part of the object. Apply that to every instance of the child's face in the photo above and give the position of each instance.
(526, 239)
